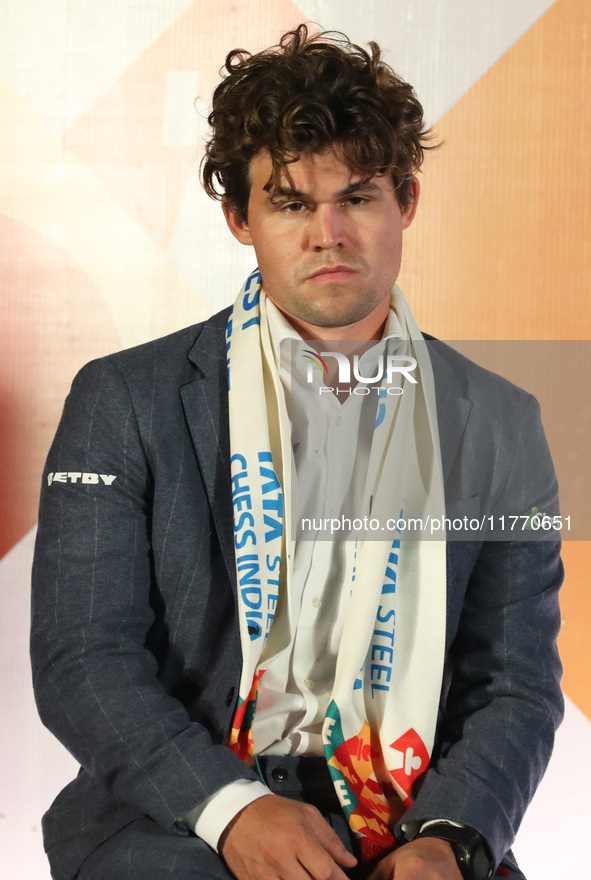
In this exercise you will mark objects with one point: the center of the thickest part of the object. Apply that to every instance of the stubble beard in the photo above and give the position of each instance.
(335, 305)
(337, 314)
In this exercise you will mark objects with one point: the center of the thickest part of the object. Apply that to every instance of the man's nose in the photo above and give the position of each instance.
(326, 227)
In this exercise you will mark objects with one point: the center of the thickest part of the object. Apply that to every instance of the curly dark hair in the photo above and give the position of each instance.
(309, 93)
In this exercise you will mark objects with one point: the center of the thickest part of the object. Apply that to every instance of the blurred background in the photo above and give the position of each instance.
(106, 240)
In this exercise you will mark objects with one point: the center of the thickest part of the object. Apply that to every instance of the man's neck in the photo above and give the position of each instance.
(369, 328)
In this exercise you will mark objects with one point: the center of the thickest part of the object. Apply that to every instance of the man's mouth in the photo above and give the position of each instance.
(332, 274)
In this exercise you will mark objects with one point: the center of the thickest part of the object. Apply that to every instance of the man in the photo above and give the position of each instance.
(399, 697)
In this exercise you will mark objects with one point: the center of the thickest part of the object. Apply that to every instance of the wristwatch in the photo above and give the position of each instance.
(471, 852)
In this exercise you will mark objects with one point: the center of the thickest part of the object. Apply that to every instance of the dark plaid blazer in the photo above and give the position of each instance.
(135, 644)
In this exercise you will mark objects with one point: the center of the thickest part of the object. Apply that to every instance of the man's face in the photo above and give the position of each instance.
(329, 250)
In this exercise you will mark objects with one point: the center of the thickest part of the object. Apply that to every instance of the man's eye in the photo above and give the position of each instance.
(293, 207)
(355, 201)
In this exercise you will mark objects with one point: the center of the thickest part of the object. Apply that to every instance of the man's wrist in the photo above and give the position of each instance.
(469, 847)
(209, 820)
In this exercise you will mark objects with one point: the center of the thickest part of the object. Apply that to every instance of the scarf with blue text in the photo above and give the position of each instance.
(379, 727)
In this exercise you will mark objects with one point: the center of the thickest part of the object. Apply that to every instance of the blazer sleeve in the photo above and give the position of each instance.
(96, 682)
(502, 699)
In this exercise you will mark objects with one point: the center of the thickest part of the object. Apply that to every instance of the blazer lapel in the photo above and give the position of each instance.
(205, 401)
(453, 408)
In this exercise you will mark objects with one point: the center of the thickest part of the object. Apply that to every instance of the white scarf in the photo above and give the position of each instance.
(380, 724)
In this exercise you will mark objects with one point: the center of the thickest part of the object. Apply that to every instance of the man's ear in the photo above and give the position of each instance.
(408, 212)
(238, 228)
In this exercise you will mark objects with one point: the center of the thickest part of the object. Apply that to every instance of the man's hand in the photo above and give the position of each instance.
(275, 837)
(424, 859)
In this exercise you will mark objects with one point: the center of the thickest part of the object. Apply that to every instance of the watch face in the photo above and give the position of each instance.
(481, 866)
(472, 859)
(462, 854)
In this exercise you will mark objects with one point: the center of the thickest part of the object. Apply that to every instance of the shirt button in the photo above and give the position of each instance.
(339, 420)
(316, 601)
(310, 684)
(279, 774)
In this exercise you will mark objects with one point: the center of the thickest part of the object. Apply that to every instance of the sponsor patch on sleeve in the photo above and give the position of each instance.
(81, 477)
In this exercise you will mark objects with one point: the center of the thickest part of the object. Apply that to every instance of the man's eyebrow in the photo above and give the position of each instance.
(284, 192)
(361, 186)
(287, 192)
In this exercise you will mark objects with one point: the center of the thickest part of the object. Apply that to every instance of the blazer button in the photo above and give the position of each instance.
(279, 774)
